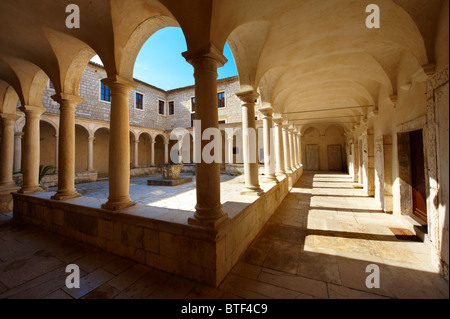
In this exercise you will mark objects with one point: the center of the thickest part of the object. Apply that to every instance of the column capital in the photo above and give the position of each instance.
(8, 116)
(19, 134)
(64, 97)
(118, 82)
(30, 109)
(248, 96)
(266, 111)
(207, 52)
(278, 121)
(91, 138)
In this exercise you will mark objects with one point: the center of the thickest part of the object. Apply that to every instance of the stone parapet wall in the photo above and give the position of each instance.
(159, 237)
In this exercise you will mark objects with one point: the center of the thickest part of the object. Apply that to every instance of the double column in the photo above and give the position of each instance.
(66, 146)
(208, 210)
(30, 149)
(119, 144)
(250, 145)
(7, 151)
(269, 158)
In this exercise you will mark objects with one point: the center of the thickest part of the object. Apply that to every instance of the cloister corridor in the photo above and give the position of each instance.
(316, 245)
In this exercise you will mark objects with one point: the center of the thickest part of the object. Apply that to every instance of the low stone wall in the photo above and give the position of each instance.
(142, 171)
(159, 237)
(238, 169)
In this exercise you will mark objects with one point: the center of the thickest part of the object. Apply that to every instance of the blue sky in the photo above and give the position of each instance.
(161, 64)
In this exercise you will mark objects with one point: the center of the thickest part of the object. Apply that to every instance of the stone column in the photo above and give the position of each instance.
(269, 157)
(279, 151)
(119, 144)
(287, 149)
(166, 152)
(66, 146)
(152, 155)
(296, 151)
(249, 145)
(292, 149)
(91, 140)
(208, 211)
(136, 153)
(17, 151)
(230, 149)
(299, 149)
(31, 148)
(56, 151)
(7, 150)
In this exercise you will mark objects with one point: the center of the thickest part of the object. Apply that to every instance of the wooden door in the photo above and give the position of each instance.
(418, 177)
(312, 157)
(334, 158)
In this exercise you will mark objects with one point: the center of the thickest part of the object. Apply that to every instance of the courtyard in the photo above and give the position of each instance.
(317, 244)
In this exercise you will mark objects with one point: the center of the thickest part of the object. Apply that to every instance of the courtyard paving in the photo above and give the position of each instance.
(316, 245)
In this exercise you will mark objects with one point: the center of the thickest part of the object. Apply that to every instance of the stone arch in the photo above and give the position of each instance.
(48, 143)
(145, 149)
(101, 151)
(81, 147)
(160, 142)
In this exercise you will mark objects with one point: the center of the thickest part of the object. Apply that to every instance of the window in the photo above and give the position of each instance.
(171, 108)
(221, 99)
(222, 122)
(192, 119)
(193, 104)
(105, 94)
(162, 106)
(139, 101)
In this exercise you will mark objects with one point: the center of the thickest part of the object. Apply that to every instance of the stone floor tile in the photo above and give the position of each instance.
(200, 291)
(145, 285)
(283, 256)
(58, 294)
(246, 270)
(129, 276)
(105, 291)
(296, 283)
(173, 288)
(95, 260)
(118, 265)
(341, 292)
(89, 283)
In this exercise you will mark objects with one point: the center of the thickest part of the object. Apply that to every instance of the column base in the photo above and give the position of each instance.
(29, 190)
(65, 196)
(209, 223)
(114, 206)
(270, 179)
(252, 191)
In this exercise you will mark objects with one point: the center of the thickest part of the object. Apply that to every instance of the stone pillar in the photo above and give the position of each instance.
(7, 150)
(287, 149)
(279, 150)
(91, 140)
(31, 148)
(119, 144)
(230, 149)
(152, 155)
(208, 211)
(56, 151)
(269, 157)
(249, 145)
(17, 151)
(166, 152)
(66, 146)
(299, 149)
(292, 150)
(296, 150)
(136, 153)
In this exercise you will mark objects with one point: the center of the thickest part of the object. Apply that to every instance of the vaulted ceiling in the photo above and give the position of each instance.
(302, 55)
